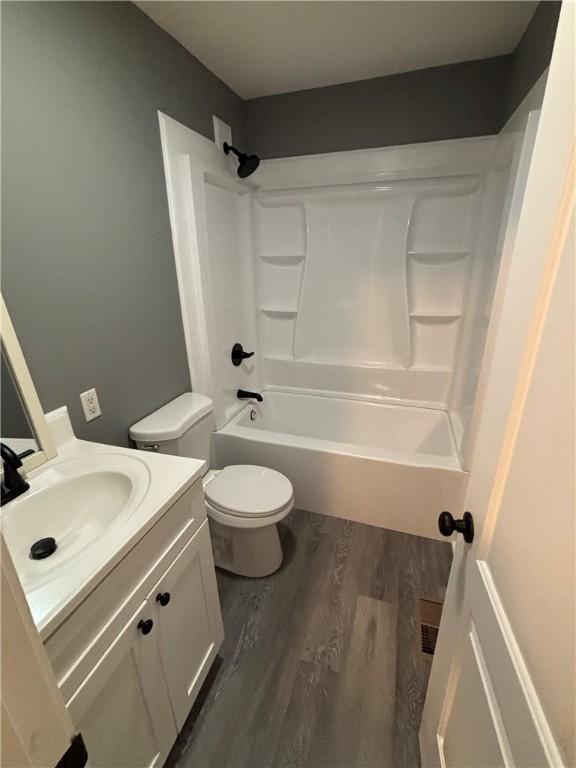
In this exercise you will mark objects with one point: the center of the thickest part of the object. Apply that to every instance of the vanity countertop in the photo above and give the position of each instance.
(161, 479)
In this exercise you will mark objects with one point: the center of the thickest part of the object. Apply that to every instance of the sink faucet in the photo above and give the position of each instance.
(13, 484)
(244, 395)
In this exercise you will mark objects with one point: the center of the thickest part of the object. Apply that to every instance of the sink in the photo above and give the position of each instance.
(79, 502)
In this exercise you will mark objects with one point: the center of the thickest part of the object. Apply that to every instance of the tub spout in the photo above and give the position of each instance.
(244, 395)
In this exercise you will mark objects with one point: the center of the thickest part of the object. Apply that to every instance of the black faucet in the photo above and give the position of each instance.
(13, 484)
(244, 395)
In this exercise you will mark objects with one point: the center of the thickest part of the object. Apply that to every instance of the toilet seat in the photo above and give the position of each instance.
(249, 491)
(247, 496)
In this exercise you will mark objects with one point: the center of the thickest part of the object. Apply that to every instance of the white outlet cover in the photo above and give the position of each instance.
(90, 404)
(222, 132)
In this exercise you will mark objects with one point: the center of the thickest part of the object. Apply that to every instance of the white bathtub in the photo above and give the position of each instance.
(386, 465)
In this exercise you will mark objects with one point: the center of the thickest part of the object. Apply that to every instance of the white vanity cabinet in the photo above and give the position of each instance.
(149, 635)
(122, 709)
(183, 626)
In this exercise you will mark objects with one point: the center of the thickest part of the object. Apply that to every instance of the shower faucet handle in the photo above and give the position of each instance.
(238, 354)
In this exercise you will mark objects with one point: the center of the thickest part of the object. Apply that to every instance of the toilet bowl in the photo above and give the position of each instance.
(244, 502)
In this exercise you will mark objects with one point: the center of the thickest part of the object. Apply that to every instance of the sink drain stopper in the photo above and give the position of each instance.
(43, 548)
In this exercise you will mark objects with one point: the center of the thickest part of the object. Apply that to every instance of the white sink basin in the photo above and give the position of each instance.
(76, 502)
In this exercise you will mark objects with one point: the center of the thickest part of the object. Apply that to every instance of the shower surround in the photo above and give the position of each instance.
(364, 284)
(364, 281)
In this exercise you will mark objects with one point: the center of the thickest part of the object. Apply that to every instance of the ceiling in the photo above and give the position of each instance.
(260, 48)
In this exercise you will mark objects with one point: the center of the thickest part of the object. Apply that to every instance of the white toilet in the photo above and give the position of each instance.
(244, 502)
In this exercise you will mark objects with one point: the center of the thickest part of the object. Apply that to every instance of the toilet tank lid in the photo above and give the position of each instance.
(173, 419)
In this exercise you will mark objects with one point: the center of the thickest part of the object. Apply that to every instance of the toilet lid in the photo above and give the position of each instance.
(246, 490)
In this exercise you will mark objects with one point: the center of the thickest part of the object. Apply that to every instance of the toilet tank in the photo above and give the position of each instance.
(182, 427)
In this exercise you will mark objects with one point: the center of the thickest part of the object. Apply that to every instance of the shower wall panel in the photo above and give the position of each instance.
(226, 289)
(365, 263)
(504, 183)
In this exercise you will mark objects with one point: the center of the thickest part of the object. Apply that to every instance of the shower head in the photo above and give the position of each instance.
(247, 164)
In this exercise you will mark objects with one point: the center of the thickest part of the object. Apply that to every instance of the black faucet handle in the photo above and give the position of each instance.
(10, 456)
(243, 394)
(13, 484)
(238, 354)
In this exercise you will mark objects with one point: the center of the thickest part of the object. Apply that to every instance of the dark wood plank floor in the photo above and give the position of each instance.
(321, 665)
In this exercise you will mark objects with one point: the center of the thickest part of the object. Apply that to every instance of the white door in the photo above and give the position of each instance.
(122, 708)
(501, 689)
(36, 729)
(189, 623)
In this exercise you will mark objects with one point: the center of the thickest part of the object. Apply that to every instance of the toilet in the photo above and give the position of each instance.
(244, 503)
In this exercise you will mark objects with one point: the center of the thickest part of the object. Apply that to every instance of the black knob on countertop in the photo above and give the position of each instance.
(163, 598)
(145, 626)
(447, 525)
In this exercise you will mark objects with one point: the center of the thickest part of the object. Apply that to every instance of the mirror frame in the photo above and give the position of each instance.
(30, 400)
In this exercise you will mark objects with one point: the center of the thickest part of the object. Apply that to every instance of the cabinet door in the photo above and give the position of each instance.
(122, 708)
(190, 628)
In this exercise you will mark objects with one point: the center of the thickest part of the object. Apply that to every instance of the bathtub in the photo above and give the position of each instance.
(387, 465)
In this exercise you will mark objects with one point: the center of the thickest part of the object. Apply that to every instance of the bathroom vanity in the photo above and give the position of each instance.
(131, 658)
(128, 608)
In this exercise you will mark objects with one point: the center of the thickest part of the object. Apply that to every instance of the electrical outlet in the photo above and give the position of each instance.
(90, 404)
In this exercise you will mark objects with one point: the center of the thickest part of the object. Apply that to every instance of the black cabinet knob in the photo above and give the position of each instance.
(163, 598)
(447, 525)
(238, 354)
(145, 626)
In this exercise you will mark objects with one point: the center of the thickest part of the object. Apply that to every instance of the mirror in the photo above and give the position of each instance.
(15, 429)
(23, 426)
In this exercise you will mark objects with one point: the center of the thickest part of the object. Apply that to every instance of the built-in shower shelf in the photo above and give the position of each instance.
(436, 316)
(283, 358)
(437, 257)
(283, 260)
(431, 368)
(282, 311)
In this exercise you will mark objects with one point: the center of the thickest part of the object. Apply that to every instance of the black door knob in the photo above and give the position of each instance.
(238, 354)
(145, 626)
(447, 525)
(163, 598)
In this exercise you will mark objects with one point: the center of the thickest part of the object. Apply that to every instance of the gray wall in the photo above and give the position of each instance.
(87, 263)
(426, 105)
(473, 98)
(532, 55)
(13, 415)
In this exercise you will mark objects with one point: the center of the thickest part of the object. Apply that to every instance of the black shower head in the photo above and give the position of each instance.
(247, 164)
